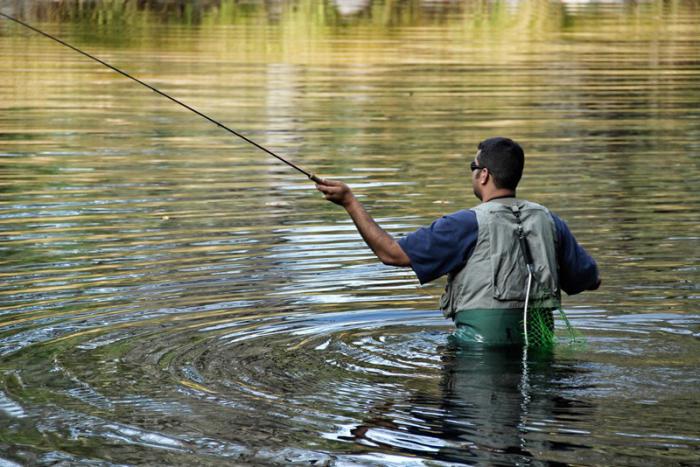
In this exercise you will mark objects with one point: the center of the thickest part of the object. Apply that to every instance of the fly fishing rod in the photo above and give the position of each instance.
(309, 175)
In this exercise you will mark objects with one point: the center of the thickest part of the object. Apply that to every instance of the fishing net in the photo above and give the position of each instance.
(540, 328)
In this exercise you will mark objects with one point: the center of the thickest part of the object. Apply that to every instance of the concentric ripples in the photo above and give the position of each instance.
(170, 296)
(183, 385)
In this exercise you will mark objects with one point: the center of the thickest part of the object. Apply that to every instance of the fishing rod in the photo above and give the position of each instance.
(309, 175)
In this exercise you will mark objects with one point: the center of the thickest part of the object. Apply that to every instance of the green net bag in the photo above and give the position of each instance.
(540, 328)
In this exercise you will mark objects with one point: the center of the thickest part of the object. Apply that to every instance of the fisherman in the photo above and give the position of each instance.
(479, 250)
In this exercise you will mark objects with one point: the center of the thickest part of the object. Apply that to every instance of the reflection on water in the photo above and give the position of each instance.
(168, 295)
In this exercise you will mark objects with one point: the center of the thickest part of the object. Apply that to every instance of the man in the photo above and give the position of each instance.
(481, 252)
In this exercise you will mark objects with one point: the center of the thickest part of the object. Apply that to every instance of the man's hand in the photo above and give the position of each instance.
(336, 192)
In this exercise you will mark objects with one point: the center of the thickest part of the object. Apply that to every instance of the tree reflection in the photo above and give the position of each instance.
(534, 15)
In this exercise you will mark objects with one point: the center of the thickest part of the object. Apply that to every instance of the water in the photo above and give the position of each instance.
(170, 295)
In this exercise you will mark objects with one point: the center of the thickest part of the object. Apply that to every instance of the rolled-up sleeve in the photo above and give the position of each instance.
(444, 246)
(578, 271)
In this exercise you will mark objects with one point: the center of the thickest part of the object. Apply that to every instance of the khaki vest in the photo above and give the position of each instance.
(495, 276)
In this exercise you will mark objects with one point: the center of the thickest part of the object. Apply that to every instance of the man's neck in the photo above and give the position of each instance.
(499, 194)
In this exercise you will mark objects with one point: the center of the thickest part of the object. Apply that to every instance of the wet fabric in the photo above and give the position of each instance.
(489, 327)
(502, 327)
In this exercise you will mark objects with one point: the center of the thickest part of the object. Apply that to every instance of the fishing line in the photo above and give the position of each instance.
(167, 96)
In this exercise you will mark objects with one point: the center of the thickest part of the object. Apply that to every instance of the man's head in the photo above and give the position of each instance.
(500, 160)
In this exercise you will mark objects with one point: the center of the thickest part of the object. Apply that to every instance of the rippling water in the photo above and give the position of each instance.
(169, 295)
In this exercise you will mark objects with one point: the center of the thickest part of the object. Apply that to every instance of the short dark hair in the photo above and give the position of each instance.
(505, 160)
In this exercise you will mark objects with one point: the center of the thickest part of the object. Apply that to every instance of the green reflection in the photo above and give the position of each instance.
(324, 17)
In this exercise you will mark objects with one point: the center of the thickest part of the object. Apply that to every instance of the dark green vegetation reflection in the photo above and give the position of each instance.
(171, 296)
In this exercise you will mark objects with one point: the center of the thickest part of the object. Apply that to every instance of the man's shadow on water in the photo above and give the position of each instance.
(491, 407)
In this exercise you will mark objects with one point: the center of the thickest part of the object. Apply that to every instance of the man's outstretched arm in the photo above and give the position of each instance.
(382, 244)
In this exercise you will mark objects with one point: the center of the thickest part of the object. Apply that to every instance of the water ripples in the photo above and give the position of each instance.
(384, 379)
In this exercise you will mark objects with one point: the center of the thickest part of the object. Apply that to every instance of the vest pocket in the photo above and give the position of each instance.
(509, 277)
(446, 301)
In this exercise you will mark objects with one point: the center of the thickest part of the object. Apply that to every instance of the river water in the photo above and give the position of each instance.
(171, 295)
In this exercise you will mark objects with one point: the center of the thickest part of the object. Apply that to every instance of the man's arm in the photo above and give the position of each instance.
(382, 244)
(578, 271)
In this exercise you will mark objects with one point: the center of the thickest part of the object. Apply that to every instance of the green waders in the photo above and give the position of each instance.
(494, 327)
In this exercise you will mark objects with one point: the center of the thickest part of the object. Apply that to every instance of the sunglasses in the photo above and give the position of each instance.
(474, 166)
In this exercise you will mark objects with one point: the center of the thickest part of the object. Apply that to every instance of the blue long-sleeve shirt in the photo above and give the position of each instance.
(448, 243)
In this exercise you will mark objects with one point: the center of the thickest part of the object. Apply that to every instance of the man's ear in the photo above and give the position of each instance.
(483, 179)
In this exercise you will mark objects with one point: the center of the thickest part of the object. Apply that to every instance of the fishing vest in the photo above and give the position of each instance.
(495, 276)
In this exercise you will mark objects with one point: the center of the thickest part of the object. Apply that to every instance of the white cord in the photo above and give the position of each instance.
(525, 380)
(527, 299)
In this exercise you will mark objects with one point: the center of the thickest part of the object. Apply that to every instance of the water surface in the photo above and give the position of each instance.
(171, 295)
